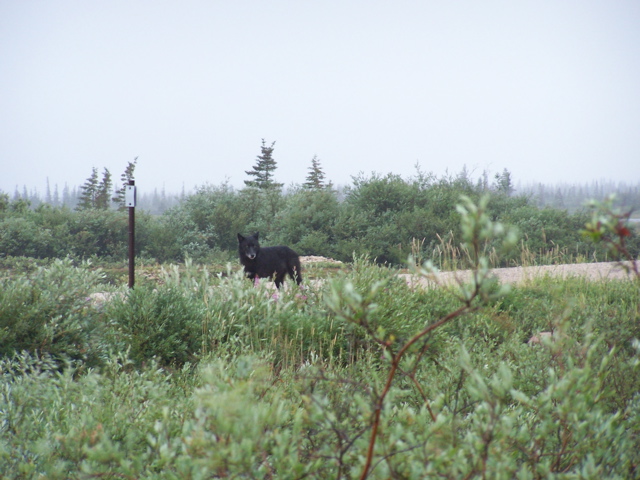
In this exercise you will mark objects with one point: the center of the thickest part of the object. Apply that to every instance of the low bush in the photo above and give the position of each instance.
(48, 312)
(162, 323)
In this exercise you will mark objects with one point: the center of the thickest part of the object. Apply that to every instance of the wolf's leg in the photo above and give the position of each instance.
(295, 273)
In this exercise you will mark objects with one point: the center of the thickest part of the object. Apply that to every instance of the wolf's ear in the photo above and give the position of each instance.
(240, 238)
(257, 235)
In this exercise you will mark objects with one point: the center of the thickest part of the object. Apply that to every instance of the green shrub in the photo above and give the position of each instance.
(285, 387)
(306, 222)
(48, 312)
(103, 233)
(163, 323)
(72, 424)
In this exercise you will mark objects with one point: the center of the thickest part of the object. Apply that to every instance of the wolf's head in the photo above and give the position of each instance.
(249, 246)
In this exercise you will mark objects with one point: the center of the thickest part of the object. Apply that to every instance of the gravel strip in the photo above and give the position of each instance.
(592, 271)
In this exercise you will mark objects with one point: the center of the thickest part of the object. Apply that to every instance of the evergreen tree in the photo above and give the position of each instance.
(89, 191)
(56, 196)
(124, 178)
(315, 178)
(94, 194)
(263, 170)
(48, 199)
(104, 191)
(67, 196)
(504, 184)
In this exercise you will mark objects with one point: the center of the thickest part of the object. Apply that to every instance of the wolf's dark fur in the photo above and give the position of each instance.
(268, 262)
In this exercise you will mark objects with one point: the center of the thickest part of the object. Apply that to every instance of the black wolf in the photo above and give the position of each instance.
(268, 262)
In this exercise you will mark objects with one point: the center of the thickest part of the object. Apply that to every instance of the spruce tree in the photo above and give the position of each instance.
(104, 191)
(503, 183)
(48, 199)
(315, 178)
(124, 178)
(89, 191)
(56, 196)
(263, 170)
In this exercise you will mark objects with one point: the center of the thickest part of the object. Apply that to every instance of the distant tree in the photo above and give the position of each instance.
(464, 174)
(104, 191)
(483, 182)
(4, 202)
(89, 191)
(94, 194)
(124, 178)
(68, 198)
(48, 199)
(56, 196)
(263, 170)
(315, 178)
(504, 183)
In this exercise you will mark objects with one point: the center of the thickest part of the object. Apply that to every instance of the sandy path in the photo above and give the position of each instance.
(593, 271)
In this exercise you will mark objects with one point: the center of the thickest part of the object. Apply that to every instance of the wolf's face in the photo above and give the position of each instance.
(249, 246)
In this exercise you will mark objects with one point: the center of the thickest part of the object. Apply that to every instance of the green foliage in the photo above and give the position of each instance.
(158, 238)
(89, 191)
(385, 217)
(94, 194)
(504, 182)
(207, 220)
(47, 312)
(503, 409)
(287, 387)
(43, 233)
(360, 375)
(610, 227)
(70, 425)
(547, 229)
(102, 233)
(126, 176)
(263, 170)
(162, 323)
(103, 195)
(306, 222)
(315, 178)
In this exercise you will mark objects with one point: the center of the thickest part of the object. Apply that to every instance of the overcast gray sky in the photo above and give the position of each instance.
(549, 89)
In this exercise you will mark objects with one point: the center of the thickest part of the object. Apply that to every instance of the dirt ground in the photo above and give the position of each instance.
(593, 271)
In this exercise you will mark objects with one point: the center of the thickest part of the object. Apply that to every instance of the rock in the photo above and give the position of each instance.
(537, 339)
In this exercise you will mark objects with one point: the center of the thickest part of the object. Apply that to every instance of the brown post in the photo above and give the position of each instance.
(132, 241)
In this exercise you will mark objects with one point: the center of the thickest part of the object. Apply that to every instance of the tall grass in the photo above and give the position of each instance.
(449, 255)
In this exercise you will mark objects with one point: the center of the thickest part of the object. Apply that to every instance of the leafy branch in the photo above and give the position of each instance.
(610, 226)
(477, 231)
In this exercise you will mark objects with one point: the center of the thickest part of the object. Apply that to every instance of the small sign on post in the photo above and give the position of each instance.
(130, 196)
(130, 203)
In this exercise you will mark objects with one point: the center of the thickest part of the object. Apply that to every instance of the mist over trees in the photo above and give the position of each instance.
(572, 196)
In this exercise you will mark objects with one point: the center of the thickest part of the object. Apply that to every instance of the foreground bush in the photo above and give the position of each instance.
(161, 323)
(233, 419)
(48, 312)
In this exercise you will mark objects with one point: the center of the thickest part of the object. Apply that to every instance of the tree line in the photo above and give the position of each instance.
(386, 217)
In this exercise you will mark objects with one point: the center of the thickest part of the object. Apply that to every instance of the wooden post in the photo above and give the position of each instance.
(132, 235)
